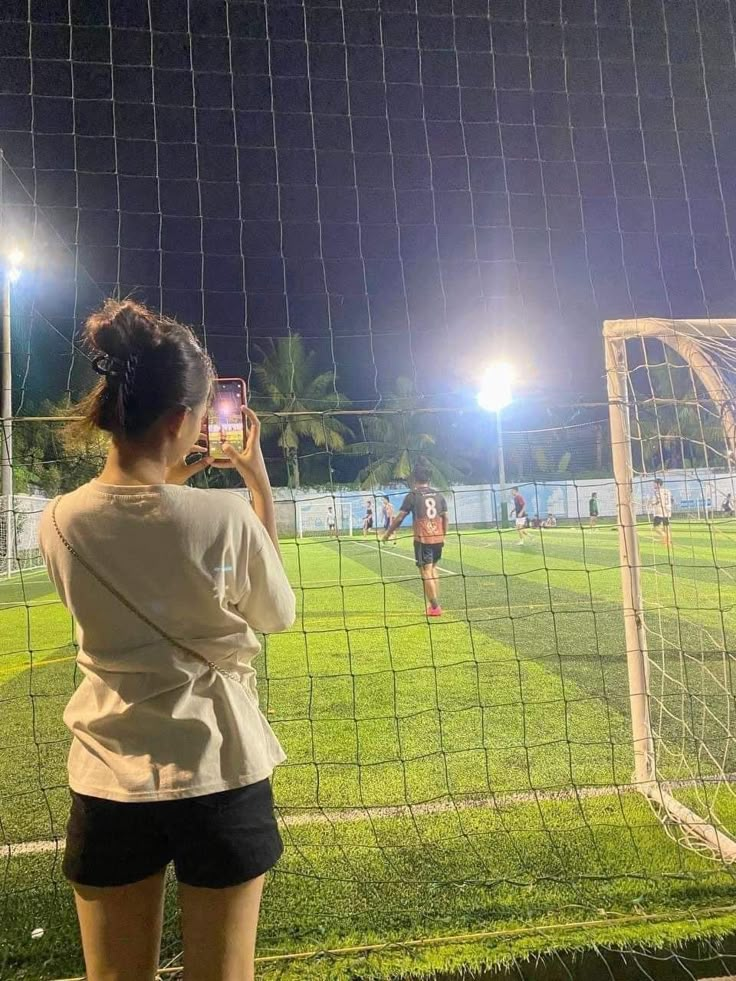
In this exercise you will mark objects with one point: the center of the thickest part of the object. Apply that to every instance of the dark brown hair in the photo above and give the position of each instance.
(149, 365)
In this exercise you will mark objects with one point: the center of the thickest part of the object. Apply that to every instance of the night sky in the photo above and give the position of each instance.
(413, 185)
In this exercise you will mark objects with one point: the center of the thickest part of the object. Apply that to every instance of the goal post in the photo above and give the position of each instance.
(630, 559)
(706, 351)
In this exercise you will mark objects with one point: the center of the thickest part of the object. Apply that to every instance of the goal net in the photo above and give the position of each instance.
(671, 395)
(19, 525)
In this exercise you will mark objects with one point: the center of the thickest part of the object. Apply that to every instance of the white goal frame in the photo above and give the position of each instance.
(682, 337)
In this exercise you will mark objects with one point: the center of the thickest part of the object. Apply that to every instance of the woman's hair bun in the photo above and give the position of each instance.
(150, 365)
(122, 327)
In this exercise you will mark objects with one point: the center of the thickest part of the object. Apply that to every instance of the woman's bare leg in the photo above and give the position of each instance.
(121, 929)
(219, 928)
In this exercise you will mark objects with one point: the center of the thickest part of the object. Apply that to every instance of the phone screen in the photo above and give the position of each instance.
(224, 417)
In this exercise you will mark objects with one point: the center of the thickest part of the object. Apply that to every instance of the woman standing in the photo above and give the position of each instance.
(171, 757)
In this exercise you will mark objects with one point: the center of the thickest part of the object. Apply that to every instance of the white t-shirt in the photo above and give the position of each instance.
(151, 722)
(661, 503)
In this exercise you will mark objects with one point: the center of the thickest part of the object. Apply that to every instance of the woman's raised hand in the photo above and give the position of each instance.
(249, 463)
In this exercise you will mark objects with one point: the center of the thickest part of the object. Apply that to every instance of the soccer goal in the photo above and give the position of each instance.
(20, 519)
(673, 431)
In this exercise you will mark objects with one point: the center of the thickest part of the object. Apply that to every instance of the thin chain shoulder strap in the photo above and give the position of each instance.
(129, 606)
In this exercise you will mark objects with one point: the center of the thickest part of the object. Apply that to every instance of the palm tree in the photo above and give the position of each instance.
(287, 381)
(395, 441)
(677, 425)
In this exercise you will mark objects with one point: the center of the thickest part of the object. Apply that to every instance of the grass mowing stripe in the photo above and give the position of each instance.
(463, 650)
(604, 669)
(598, 558)
(697, 545)
(693, 593)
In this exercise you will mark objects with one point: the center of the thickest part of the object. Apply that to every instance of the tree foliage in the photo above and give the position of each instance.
(676, 424)
(288, 380)
(395, 441)
(54, 457)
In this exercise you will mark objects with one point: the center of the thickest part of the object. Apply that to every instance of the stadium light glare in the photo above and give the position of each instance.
(493, 396)
(15, 260)
(495, 391)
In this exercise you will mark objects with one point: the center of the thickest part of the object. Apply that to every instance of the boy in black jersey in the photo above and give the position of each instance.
(429, 509)
(368, 517)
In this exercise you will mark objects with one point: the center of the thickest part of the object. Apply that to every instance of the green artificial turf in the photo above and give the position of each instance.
(433, 766)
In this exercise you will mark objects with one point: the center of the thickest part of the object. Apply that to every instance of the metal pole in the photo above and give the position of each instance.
(6, 442)
(501, 472)
(637, 655)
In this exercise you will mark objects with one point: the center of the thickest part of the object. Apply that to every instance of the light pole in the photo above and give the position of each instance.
(11, 274)
(494, 395)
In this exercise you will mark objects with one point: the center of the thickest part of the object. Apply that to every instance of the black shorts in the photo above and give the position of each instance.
(665, 522)
(387, 523)
(368, 523)
(427, 554)
(215, 841)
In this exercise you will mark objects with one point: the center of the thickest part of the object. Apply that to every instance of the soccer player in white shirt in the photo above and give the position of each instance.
(661, 504)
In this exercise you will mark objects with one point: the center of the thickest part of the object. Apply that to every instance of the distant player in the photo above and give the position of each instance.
(520, 515)
(429, 509)
(331, 523)
(593, 509)
(550, 521)
(387, 512)
(661, 504)
(728, 506)
(368, 517)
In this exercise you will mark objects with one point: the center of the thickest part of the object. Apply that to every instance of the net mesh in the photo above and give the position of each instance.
(365, 201)
(680, 418)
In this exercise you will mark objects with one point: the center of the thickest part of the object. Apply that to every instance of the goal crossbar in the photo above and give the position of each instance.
(662, 328)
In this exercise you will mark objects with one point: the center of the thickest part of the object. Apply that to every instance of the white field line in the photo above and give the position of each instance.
(356, 581)
(46, 599)
(19, 577)
(406, 558)
(496, 802)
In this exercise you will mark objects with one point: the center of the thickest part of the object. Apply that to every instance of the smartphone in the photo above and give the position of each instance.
(225, 423)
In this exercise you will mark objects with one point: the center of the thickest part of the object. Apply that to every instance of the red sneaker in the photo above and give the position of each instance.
(434, 611)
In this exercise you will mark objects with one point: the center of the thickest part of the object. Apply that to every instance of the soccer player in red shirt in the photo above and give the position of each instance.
(429, 510)
(520, 512)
